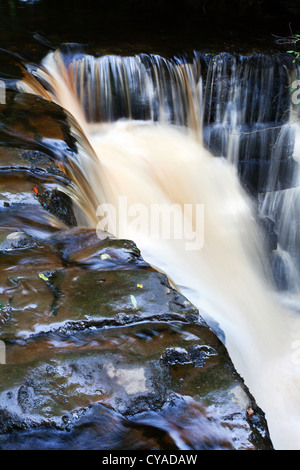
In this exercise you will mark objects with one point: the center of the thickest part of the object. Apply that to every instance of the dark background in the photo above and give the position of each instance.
(132, 26)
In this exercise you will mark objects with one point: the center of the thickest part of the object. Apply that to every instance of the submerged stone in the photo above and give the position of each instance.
(16, 240)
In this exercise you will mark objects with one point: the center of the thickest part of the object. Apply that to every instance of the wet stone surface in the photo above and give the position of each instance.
(98, 341)
(35, 140)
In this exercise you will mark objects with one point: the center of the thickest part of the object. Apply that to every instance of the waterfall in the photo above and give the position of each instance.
(138, 124)
(251, 121)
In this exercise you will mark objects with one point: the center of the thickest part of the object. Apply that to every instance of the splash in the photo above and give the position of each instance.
(162, 161)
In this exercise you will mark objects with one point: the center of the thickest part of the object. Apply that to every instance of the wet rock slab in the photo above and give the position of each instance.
(35, 141)
(102, 353)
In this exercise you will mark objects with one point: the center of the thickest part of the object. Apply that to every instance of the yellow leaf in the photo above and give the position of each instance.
(133, 300)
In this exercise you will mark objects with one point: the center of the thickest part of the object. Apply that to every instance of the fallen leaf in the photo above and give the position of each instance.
(133, 300)
(105, 256)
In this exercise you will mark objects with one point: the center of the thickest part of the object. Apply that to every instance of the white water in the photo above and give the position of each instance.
(158, 163)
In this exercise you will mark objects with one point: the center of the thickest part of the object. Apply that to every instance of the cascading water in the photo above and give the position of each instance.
(150, 163)
(255, 126)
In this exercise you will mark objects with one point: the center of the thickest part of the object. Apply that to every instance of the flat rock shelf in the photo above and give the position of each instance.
(102, 353)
